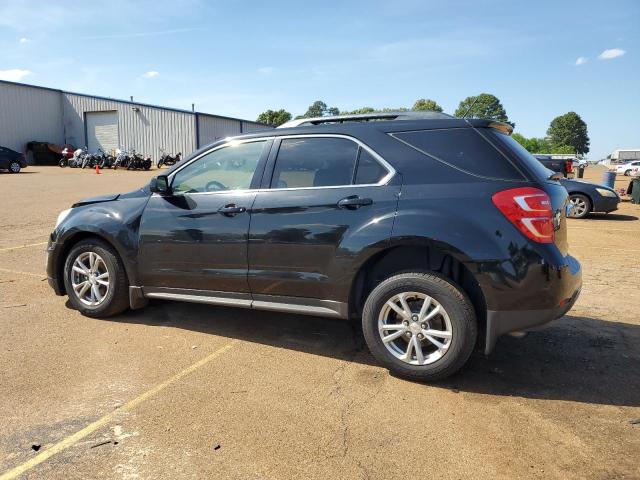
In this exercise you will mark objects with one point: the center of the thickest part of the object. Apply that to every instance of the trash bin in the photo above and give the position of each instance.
(635, 191)
(609, 179)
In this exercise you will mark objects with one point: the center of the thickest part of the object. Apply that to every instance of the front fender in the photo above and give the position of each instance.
(116, 222)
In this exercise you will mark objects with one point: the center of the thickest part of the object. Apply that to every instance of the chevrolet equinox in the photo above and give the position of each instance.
(439, 233)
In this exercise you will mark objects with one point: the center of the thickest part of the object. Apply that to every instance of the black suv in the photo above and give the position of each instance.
(439, 233)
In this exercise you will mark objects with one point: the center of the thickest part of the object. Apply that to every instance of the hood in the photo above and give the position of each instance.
(566, 182)
(141, 192)
(99, 199)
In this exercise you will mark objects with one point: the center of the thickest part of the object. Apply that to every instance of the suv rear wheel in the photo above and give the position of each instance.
(95, 279)
(420, 326)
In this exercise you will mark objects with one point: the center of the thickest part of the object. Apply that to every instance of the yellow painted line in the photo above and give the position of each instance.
(22, 273)
(92, 427)
(22, 246)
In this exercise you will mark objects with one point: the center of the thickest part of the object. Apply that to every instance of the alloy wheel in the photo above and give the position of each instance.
(579, 206)
(14, 167)
(90, 278)
(415, 328)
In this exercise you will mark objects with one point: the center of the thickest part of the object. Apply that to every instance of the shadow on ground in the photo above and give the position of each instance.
(576, 358)
(611, 216)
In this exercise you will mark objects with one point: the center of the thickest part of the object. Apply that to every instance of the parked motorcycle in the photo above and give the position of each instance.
(106, 159)
(67, 155)
(122, 159)
(76, 160)
(139, 161)
(167, 159)
(91, 160)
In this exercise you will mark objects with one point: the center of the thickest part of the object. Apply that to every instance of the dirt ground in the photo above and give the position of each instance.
(192, 391)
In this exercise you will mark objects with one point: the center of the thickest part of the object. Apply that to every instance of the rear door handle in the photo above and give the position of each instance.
(231, 210)
(353, 202)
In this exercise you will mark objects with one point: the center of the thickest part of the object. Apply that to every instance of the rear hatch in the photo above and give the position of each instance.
(542, 176)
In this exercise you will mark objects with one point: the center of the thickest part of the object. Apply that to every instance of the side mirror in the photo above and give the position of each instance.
(160, 184)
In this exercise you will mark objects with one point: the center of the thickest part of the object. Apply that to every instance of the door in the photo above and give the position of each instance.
(330, 198)
(102, 131)
(196, 237)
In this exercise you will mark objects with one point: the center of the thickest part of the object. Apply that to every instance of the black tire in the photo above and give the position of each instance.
(458, 307)
(627, 173)
(14, 167)
(587, 202)
(63, 162)
(117, 297)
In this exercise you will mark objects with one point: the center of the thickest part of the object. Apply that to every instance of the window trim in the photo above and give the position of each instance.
(219, 147)
(383, 181)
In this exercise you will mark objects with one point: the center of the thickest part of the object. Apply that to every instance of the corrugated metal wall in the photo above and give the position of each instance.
(28, 114)
(146, 130)
(248, 127)
(212, 128)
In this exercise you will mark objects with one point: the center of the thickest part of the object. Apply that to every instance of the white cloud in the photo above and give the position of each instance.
(581, 61)
(266, 70)
(24, 40)
(611, 53)
(13, 74)
(151, 74)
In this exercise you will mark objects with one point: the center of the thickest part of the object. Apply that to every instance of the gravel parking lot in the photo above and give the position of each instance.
(193, 391)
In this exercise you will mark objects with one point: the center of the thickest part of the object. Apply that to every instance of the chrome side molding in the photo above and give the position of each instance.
(304, 306)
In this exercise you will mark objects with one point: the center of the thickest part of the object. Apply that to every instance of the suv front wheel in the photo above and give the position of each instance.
(420, 326)
(95, 279)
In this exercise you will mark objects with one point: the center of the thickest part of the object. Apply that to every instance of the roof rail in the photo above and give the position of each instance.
(366, 117)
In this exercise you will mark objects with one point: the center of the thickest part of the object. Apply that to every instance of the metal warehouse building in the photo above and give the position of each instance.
(32, 113)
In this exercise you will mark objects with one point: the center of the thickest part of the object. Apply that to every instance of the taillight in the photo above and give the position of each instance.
(568, 166)
(529, 209)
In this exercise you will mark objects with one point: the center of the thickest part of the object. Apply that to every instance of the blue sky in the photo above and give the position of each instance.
(239, 58)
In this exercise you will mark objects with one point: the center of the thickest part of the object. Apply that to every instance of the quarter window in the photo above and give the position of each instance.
(463, 148)
(229, 168)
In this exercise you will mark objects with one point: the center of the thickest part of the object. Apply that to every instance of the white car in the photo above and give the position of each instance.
(628, 168)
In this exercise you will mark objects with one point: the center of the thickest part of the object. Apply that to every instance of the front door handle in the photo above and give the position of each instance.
(353, 202)
(231, 210)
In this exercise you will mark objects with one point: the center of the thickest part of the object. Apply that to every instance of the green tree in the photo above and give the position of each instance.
(319, 109)
(360, 110)
(485, 106)
(426, 104)
(541, 145)
(569, 129)
(563, 149)
(274, 117)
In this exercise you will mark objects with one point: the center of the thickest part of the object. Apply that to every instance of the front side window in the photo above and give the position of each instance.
(229, 168)
(314, 162)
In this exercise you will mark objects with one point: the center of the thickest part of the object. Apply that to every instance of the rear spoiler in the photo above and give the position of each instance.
(502, 127)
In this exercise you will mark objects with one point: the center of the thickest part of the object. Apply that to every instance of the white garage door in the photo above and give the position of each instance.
(102, 131)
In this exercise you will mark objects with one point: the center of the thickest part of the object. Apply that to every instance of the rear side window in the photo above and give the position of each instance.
(314, 162)
(464, 149)
(369, 171)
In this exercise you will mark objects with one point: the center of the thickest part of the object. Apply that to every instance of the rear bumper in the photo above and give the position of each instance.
(501, 322)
